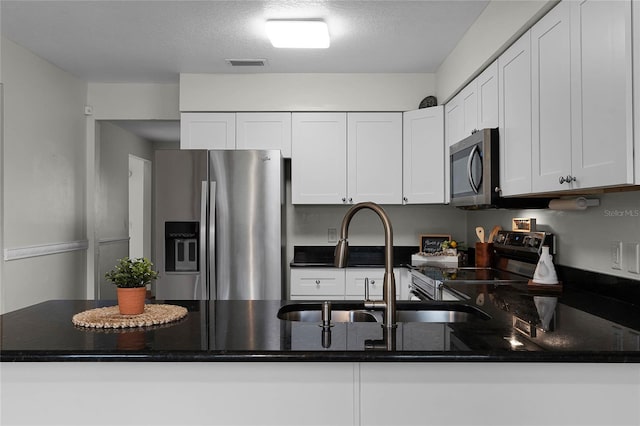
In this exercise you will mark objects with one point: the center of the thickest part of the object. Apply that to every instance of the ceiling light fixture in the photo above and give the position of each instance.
(302, 34)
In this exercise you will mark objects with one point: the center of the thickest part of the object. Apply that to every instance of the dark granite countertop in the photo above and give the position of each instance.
(585, 327)
(359, 256)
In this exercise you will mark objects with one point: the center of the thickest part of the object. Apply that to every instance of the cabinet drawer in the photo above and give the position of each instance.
(317, 281)
(354, 281)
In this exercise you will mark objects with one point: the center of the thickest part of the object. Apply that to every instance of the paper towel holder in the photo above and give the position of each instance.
(575, 203)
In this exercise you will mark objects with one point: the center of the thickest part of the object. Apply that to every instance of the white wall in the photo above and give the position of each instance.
(304, 92)
(584, 237)
(499, 25)
(134, 101)
(44, 178)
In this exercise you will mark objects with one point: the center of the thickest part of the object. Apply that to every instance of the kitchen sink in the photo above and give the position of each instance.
(432, 312)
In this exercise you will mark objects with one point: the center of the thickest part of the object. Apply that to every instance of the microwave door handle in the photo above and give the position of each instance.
(473, 152)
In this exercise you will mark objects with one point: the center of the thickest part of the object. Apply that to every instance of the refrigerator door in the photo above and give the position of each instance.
(180, 224)
(245, 253)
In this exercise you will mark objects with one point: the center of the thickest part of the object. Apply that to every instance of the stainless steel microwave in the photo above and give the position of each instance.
(475, 175)
(475, 170)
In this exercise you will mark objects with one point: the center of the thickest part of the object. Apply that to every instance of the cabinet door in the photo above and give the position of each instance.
(469, 99)
(319, 158)
(514, 77)
(204, 130)
(551, 99)
(374, 157)
(309, 283)
(602, 110)
(454, 132)
(423, 156)
(487, 89)
(355, 280)
(264, 130)
(454, 121)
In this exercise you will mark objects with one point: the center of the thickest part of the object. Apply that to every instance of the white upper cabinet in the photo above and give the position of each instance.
(319, 158)
(469, 101)
(321, 145)
(582, 102)
(514, 88)
(423, 156)
(551, 100)
(487, 97)
(264, 130)
(374, 157)
(204, 130)
(602, 119)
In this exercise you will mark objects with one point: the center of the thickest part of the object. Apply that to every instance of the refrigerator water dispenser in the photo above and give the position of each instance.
(181, 246)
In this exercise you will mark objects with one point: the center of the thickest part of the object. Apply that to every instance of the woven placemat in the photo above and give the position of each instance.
(110, 317)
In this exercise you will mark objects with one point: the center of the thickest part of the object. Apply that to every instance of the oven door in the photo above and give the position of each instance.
(426, 288)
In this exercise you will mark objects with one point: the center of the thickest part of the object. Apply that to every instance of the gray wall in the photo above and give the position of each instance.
(44, 178)
(112, 212)
(584, 237)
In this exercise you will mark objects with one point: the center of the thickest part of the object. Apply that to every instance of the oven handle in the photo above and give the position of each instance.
(475, 150)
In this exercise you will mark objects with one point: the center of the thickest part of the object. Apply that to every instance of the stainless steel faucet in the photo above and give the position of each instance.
(388, 304)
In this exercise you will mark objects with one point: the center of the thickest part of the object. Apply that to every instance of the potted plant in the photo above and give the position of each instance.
(131, 276)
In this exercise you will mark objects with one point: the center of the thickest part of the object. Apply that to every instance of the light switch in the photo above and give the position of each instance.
(332, 235)
(616, 255)
(632, 257)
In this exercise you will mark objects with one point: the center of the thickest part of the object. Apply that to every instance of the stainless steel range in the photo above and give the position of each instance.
(516, 255)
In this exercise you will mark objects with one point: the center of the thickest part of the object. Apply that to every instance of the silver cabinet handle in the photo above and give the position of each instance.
(344, 199)
(317, 282)
(350, 200)
(405, 199)
(567, 179)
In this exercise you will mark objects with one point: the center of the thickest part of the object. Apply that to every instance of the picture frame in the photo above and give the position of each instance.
(430, 243)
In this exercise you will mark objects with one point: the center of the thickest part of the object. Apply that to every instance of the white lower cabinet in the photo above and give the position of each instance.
(319, 393)
(317, 283)
(341, 283)
(355, 281)
(499, 394)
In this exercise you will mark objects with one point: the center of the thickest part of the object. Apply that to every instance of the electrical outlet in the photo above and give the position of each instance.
(332, 235)
(632, 257)
(616, 255)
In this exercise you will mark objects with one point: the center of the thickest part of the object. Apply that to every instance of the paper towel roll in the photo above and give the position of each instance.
(579, 203)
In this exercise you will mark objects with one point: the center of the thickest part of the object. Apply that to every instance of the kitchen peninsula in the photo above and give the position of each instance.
(231, 353)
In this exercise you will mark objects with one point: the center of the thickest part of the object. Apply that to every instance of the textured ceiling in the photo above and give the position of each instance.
(154, 41)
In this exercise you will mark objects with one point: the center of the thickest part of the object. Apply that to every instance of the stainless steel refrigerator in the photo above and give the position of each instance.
(219, 224)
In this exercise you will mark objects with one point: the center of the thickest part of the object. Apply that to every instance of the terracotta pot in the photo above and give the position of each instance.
(131, 300)
(131, 340)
